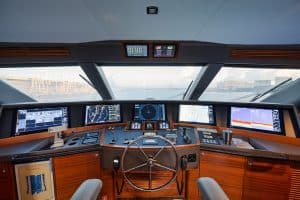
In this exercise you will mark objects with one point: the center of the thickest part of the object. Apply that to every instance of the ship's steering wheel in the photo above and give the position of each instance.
(148, 162)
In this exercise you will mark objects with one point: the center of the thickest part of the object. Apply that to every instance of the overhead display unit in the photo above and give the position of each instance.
(39, 119)
(149, 112)
(202, 114)
(262, 119)
(98, 114)
(136, 50)
(164, 50)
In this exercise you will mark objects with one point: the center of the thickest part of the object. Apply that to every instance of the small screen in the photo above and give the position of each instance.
(164, 50)
(37, 119)
(96, 114)
(144, 112)
(137, 50)
(256, 118)
(196, 114)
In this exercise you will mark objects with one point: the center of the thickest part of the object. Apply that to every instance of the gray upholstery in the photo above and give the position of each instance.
(210, 189)
(88, 190)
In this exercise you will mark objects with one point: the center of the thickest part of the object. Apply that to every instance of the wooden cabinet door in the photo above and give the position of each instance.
(70, 171)
(7, 182)
(228, 170)
(266, 179)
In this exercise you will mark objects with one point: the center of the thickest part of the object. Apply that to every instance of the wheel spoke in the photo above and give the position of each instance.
(150, 177)
(164, 167)
(136, 167)
(141, 150)
(157, 153)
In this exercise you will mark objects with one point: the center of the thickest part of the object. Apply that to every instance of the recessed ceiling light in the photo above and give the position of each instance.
(152, 10)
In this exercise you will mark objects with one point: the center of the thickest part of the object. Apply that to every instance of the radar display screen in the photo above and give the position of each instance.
(97, 114)
(256, 118)
(137, 50)
(203, 114)
(164, 50)
(149, 112)
(37, 119)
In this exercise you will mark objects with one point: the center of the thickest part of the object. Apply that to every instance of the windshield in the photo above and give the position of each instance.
(144, 82)
(246, 84)
(50, 84)
(70, 83)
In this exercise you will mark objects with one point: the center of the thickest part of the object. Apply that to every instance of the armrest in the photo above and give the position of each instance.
(210, 189)
(88, 190)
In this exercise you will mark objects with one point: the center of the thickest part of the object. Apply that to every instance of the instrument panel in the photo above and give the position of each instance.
(149, 115)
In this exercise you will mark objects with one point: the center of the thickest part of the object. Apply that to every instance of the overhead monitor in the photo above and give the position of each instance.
(149, 112)
(97, 114)
(38, 119)
(256, 118)
(136, 50)
(203, 114)
(164, 50)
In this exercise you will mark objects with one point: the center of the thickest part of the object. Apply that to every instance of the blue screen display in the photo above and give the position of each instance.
(37, 119)
(145, 112)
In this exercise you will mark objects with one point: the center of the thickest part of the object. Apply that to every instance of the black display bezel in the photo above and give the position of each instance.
(166, 112)
(214, 114)
(255, 129)
(136, 44)
(157, 44)
(14, 129)
(106, 104)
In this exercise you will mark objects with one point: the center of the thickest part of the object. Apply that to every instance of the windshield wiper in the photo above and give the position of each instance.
(87, 81)
(187, 90)
(270, 90)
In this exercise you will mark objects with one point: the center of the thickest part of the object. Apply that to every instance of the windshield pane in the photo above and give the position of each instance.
(243, 84)
(144, 82)
(50, 84)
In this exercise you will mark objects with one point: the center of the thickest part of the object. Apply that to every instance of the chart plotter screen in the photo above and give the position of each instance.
(144, 112)
(256, 118)
(196, 114)
(96, 114)
(37, 119)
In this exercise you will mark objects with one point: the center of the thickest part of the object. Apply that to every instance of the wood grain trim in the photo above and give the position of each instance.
(295, 183)
(265, 53)
(33, 52)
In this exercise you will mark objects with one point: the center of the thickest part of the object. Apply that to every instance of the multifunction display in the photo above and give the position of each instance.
(96, 114)
(256, 118)
(138, 50)
(164, 50)
(37, 119)
(203, 114)
(148, 112)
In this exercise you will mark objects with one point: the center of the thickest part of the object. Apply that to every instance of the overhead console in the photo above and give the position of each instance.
(159, 50)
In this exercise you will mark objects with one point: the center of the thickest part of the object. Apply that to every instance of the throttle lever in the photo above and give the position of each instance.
(184, 162)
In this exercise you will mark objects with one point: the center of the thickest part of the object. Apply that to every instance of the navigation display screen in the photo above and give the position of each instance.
(138, 50)
(203, 114)
(164, 50)
(96, 114)
(144, 112)
(37, 119)
(256, 118)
